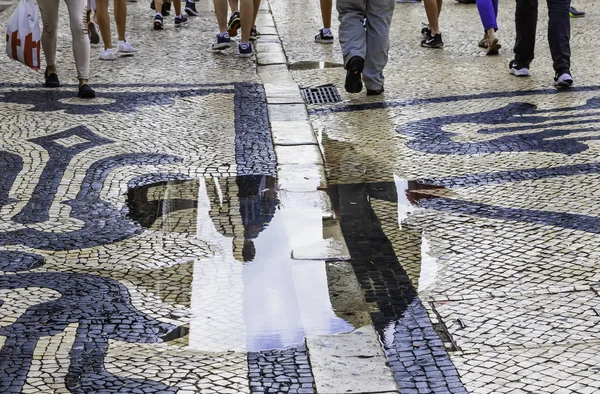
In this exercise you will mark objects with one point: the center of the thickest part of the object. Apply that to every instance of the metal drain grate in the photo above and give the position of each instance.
(321, 95)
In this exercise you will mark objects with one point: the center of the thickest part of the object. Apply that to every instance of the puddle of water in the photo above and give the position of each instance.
(252, 295)
(310, 65)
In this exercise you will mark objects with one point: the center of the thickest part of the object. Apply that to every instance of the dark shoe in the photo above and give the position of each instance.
(51, 80)
(433, 41)
(573, 13)
(323, 38)
(222, 42)
(93, 33)
(86, 92)
(254, 34)
(158, 22)
(181, 20)
(234, 24)
(354, 69)
(374, 92)
(245, 50)
(425, 32)
(190, 8)
(563, 79)
(518, 70)
(166, 7)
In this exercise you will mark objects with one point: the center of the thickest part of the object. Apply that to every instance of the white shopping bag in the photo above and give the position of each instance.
(23, 34)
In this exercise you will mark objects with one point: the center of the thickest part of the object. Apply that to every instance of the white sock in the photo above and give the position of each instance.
(158, 13)
(326, 30)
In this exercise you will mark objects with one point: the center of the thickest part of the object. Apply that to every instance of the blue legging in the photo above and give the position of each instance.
(488, 12)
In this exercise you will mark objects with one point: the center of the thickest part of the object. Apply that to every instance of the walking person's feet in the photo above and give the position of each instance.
(93, 32)
(190, 8)
(254, 34)
(573, 13)
(563, 78)
(245, 50)
(493, 45)
(181, 20)
(354, 68)
(517, 69)
(433, 41)
(124, 48)
(223, 41)
(51, 80)
(234, 24)
(158, 22)
(86, 92)
(325, 36)
(107, 54)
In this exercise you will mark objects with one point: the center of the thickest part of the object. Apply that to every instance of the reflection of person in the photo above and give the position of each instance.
(258, 200)
(365, 48)
(81, 44)
(559, 34)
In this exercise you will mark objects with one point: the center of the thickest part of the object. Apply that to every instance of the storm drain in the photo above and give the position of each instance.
(320, 95)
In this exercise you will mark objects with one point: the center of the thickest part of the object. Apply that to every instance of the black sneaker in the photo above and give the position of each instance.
(425, 32)
(354, 69)
(323, 38)
(375, 92)
(433, 41)
(158, 22)
(51, 80)
(245, 50)
(164, 9)
(93, 33)
(234, 24)
(563, 79)
(222, 42)
(254, 34)
(573, 13)
(517, 69)
(190, 8)
(86, 92)
(181, 20)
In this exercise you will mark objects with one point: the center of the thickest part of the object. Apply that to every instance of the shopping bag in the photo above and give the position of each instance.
(23, 34)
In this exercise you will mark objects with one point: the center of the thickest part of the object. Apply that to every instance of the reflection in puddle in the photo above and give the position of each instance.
(251, 295)
(310, 65)
(429, 266)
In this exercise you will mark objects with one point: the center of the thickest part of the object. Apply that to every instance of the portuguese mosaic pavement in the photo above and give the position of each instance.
(177, 234)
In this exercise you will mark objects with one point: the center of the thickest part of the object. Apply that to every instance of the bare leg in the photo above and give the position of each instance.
(121, 18)
(247, 19)
(431, 9)
(326, 6)
(234, 5)
(439, 4)
(177, 4)
(103, 22)
(256, 7)
(221, 11)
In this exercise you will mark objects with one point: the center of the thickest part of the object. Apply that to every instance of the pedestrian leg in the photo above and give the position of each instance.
(379, 19)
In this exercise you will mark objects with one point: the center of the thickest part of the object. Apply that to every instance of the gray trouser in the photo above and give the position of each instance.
(371, 44)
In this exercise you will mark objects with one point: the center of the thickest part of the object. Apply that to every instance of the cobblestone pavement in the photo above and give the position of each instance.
(197, 228)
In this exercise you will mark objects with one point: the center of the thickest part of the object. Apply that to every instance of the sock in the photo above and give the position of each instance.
(326, 30)
(224, 34)
(158, 13)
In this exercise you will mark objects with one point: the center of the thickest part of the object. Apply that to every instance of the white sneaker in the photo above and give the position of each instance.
(125, 49)
(108, 54)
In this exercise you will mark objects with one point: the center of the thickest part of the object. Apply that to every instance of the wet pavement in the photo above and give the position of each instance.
(199, 228)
